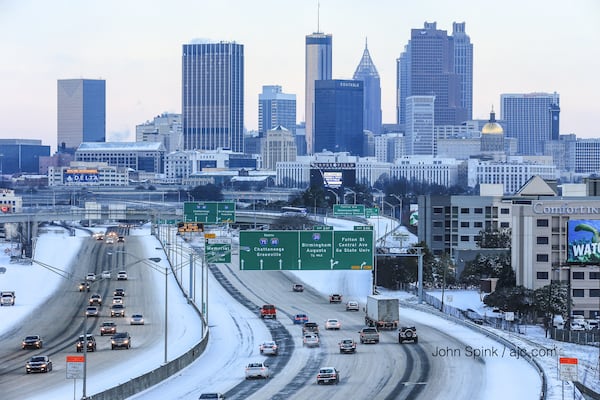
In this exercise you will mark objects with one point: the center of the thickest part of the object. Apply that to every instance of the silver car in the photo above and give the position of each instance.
(257, 370)
(269, 348)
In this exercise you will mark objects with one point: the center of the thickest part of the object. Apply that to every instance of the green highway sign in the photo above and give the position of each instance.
(217, 251)
(349, 210)
(371, 212)
(363, 227)
(209, 212)
(306, 250)
(322, 228)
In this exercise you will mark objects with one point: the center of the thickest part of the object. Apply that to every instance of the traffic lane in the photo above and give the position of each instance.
(64, 328)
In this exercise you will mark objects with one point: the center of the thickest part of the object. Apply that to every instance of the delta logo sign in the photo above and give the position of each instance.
(583, 237)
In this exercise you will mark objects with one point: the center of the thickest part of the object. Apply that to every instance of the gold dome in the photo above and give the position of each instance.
(492, 128)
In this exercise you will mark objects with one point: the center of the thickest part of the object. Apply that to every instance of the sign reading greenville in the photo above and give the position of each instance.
(306, 250)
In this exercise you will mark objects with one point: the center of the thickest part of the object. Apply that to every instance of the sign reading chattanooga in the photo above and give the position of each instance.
(306, 250)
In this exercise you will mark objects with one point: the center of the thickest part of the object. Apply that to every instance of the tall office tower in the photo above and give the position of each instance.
(276, 108)
(338, 116)
(420, 118)
(427, 68)
(367, 73)
(213, 96)
(463, 66)
(81, 112)
(532, 119)
(318, 67)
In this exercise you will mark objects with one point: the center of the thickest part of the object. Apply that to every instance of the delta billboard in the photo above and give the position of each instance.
(583, 241)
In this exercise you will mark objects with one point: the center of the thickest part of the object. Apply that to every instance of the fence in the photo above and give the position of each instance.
(579, 337)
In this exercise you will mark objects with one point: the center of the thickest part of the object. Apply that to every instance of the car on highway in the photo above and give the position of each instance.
(121, 239)
(118, 300)
(108, 328)
(213, 396)
(95, 299)
(122, 275)
(300, 318)
(117, 310)
(310, 327)
(407, 334)
(92, 311)
(369, 335)
(120, 340)
(91, 343)
(311, 340)
(84, 287)
(119, 292)
(32, 342)
(38, 364)
(352, 305)
(109, 240)
(136, 319)
(90, 276)
(269, 348)
(347, 345)
(257, 370)
(298, 288)
(106, 275)
(268, 311)
(333, 324)
(328, 375)
(99, 236)
(335, 298)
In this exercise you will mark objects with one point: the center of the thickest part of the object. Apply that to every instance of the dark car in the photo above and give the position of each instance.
(91, 343)
(38, 364)
(310, 327)
(120, 340)
(119, 292)
(32, 342)
(84, 287)
(335, 298)
(298, 288)
(214, 396)
(108, 328)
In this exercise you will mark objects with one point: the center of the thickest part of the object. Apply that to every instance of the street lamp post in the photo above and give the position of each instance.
(400, 202)
(352, 192)
(337, 198)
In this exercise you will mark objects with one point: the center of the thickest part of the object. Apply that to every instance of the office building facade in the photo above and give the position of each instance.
(81, 112)
(367, 73)
(213, 96)
(420, 119)
(276, 108)
(463, 66)
(339, 116)
(318, 67)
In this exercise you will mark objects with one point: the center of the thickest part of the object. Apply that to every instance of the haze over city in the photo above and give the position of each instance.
(136, 46)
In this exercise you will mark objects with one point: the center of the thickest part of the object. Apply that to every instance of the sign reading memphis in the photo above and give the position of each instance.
(583, 238)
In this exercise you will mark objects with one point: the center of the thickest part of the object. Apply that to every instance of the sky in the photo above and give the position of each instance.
(227, 316)
(136, 46)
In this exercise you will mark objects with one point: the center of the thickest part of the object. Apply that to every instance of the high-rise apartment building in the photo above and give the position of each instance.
(427, 68)
(213, 96)
(366, 72)
(532, 119)
(318, 67)
(463, 66)
(338, 116)
(81, 116)
(276, 108)
(420, 118)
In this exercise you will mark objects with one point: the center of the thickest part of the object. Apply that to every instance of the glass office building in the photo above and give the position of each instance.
(318, 67)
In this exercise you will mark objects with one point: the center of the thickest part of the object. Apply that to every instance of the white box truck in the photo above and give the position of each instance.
(382, 312)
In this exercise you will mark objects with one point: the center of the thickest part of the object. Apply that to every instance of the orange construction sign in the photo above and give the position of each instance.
(568, 360)
(75, 359)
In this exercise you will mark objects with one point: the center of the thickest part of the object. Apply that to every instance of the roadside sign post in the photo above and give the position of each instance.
(349, 210)
(75, 370)
(568, 372)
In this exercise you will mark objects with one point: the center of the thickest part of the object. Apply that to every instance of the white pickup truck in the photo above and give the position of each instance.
(7, 298)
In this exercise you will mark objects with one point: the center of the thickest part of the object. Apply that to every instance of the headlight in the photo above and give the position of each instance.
(43, 365)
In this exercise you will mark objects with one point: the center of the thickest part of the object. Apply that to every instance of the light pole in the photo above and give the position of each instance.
(337, 198)
(350, 192)
(399, 203)
(392, 208)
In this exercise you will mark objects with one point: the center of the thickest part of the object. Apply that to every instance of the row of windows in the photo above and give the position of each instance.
(576, 275)
(581, 292)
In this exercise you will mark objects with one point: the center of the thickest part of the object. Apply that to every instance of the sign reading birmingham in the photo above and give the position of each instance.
(583, 237)
(306, 250)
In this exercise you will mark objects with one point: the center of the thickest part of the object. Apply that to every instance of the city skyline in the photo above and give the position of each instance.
(548, 46)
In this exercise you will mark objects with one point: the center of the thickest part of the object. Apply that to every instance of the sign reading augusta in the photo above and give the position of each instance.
(583, 237)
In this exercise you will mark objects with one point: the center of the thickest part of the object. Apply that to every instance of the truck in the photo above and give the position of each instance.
(382, 312)
(7, 298)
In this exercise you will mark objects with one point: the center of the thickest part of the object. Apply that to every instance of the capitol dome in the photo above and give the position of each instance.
(492, 127)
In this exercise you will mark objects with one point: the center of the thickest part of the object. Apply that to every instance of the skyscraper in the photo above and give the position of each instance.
(532, 119)
(339, 116)
(213, 96)
(427, 68)
(463, 66)
(81, 116)
(318, 67)
(420, 118)
(276, 108)
(366, 72)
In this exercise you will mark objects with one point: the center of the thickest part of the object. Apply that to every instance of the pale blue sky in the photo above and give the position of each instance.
(135, 45)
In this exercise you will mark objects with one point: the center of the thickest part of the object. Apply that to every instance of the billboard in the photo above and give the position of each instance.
(583, 241)
(80, 176)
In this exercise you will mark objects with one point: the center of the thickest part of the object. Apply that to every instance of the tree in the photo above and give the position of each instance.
(495, 266)
(443, 270)
(551, 300)
(494, 239)
(518, 299)
(208, 192)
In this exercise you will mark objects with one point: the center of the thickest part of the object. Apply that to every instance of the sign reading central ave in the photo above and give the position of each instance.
(306, 250)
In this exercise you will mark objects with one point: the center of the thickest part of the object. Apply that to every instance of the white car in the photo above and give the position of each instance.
(352, 305)
(136, 319)
(117, 300)
(257, 370)
(122, 276)
(268, 348)
(90, 276)
(333, 323)
(105, 274)
(311, 340)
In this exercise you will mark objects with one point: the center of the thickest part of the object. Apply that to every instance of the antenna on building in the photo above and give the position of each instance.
(318, 16)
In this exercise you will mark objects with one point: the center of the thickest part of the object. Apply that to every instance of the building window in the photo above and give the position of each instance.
(542, 240)
(478, 210)
(464, 210)
(542, 222)
(578, 293)
(438, 210)
(594, 275)
(504, 225)
(578, 275)
(464, 224)
(477, 224)
(542, 275)
(594, 292)
(505, 211)
(464, 238)
(438, 224)
(542, 258)
(437, 238)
